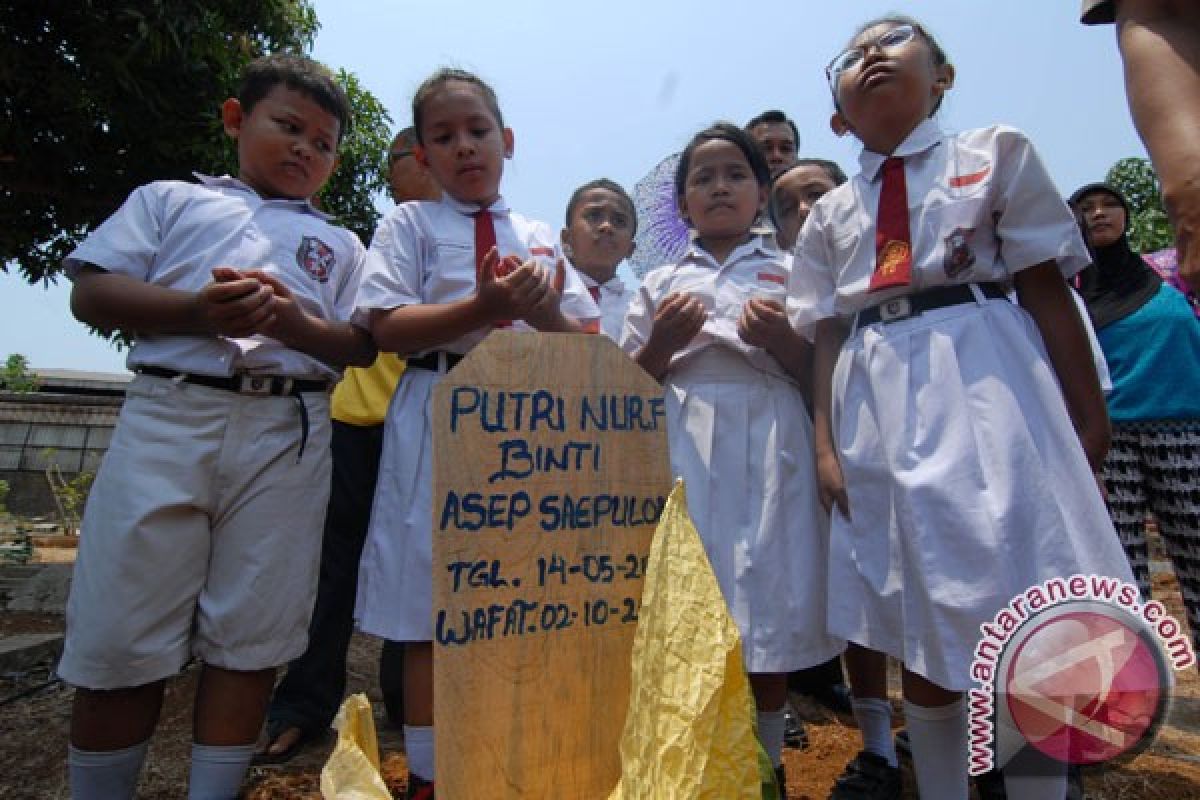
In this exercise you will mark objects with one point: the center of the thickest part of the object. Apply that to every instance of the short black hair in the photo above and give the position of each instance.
(725, 131)
(310, 78)
(774, 117)
(439, 79)
(609, 185)
(405, 139)
(835, 173)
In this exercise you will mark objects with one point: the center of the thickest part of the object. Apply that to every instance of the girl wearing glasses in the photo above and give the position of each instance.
(956, 432)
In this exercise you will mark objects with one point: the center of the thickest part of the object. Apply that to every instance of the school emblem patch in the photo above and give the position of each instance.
(959, 255)
(316, 258)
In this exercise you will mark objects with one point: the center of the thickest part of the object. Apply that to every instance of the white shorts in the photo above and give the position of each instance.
(202, 536)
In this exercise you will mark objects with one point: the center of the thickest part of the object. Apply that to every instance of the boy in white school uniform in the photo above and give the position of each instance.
(202, 534)
(601, 224)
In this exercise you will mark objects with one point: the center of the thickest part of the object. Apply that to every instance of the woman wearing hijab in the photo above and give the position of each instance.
(1151, 340)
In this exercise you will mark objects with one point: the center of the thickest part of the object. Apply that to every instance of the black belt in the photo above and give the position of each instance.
(909, 305)
(432, 362)
(254, 385)
(266, 385)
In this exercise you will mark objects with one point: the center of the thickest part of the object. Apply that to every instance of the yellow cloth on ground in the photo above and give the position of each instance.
(352, 771)
(363, 395)
(689, 732)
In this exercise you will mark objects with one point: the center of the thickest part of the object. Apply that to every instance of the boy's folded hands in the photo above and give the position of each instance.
(241, 303)
(236, 304)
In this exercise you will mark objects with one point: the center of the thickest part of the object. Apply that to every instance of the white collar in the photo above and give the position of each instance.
(923, 137)
(613, 284)
(756, 244)
(498, 208)
(230, 182)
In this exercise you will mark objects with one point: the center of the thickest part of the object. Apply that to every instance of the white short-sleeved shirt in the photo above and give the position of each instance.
(424, 252)
(754, 269)
(172, 233)
(981, 208)
(613, 300)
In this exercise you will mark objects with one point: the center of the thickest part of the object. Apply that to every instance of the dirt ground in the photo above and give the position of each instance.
(34, 713)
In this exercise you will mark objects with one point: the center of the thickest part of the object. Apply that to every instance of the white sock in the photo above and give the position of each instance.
(939, 747)
(874, 717)
(217, 772)
(771, 727)
(1035, 775)
(418, 748)
(105, 774)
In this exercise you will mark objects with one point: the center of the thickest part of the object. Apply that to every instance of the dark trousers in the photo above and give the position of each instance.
(311, 692)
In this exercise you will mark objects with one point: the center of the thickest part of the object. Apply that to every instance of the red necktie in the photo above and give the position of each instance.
(594, 291)
(485, 240)
(893, 245)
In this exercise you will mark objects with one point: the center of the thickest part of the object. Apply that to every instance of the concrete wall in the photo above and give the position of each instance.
(68, 422)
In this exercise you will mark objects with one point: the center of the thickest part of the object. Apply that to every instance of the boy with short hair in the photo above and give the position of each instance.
(600, 225)
(202, 533)
(306, 700)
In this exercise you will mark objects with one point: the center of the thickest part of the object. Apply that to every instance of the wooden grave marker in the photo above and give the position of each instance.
(550, 472)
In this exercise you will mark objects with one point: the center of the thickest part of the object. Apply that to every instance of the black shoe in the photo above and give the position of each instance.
(868, 777)
(1075, 783)
(836, 697)
(990, 785)
(794, 735)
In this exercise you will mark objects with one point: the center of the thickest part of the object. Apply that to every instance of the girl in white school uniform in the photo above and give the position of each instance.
(439, 277)
(714, 330)
(959, 474)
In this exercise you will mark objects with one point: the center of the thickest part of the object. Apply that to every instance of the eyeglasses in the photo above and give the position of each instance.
(851, 57)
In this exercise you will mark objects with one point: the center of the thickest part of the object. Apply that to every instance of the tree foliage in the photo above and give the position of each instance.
(100, 96)
(17, 376)
(362, 165)
(1149, 229)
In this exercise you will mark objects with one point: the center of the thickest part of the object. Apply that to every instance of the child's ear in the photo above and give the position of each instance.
(565, 239)
(232, 116)
(839, 124)
(509, 142)
(420, 155)
(944, 78)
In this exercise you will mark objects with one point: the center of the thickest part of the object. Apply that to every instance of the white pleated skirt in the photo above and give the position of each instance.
(741, 439)
(395, 575)
(966, 480)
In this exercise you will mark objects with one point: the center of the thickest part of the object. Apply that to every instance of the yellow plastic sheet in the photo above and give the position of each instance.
(689, 732)
(352, 771)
